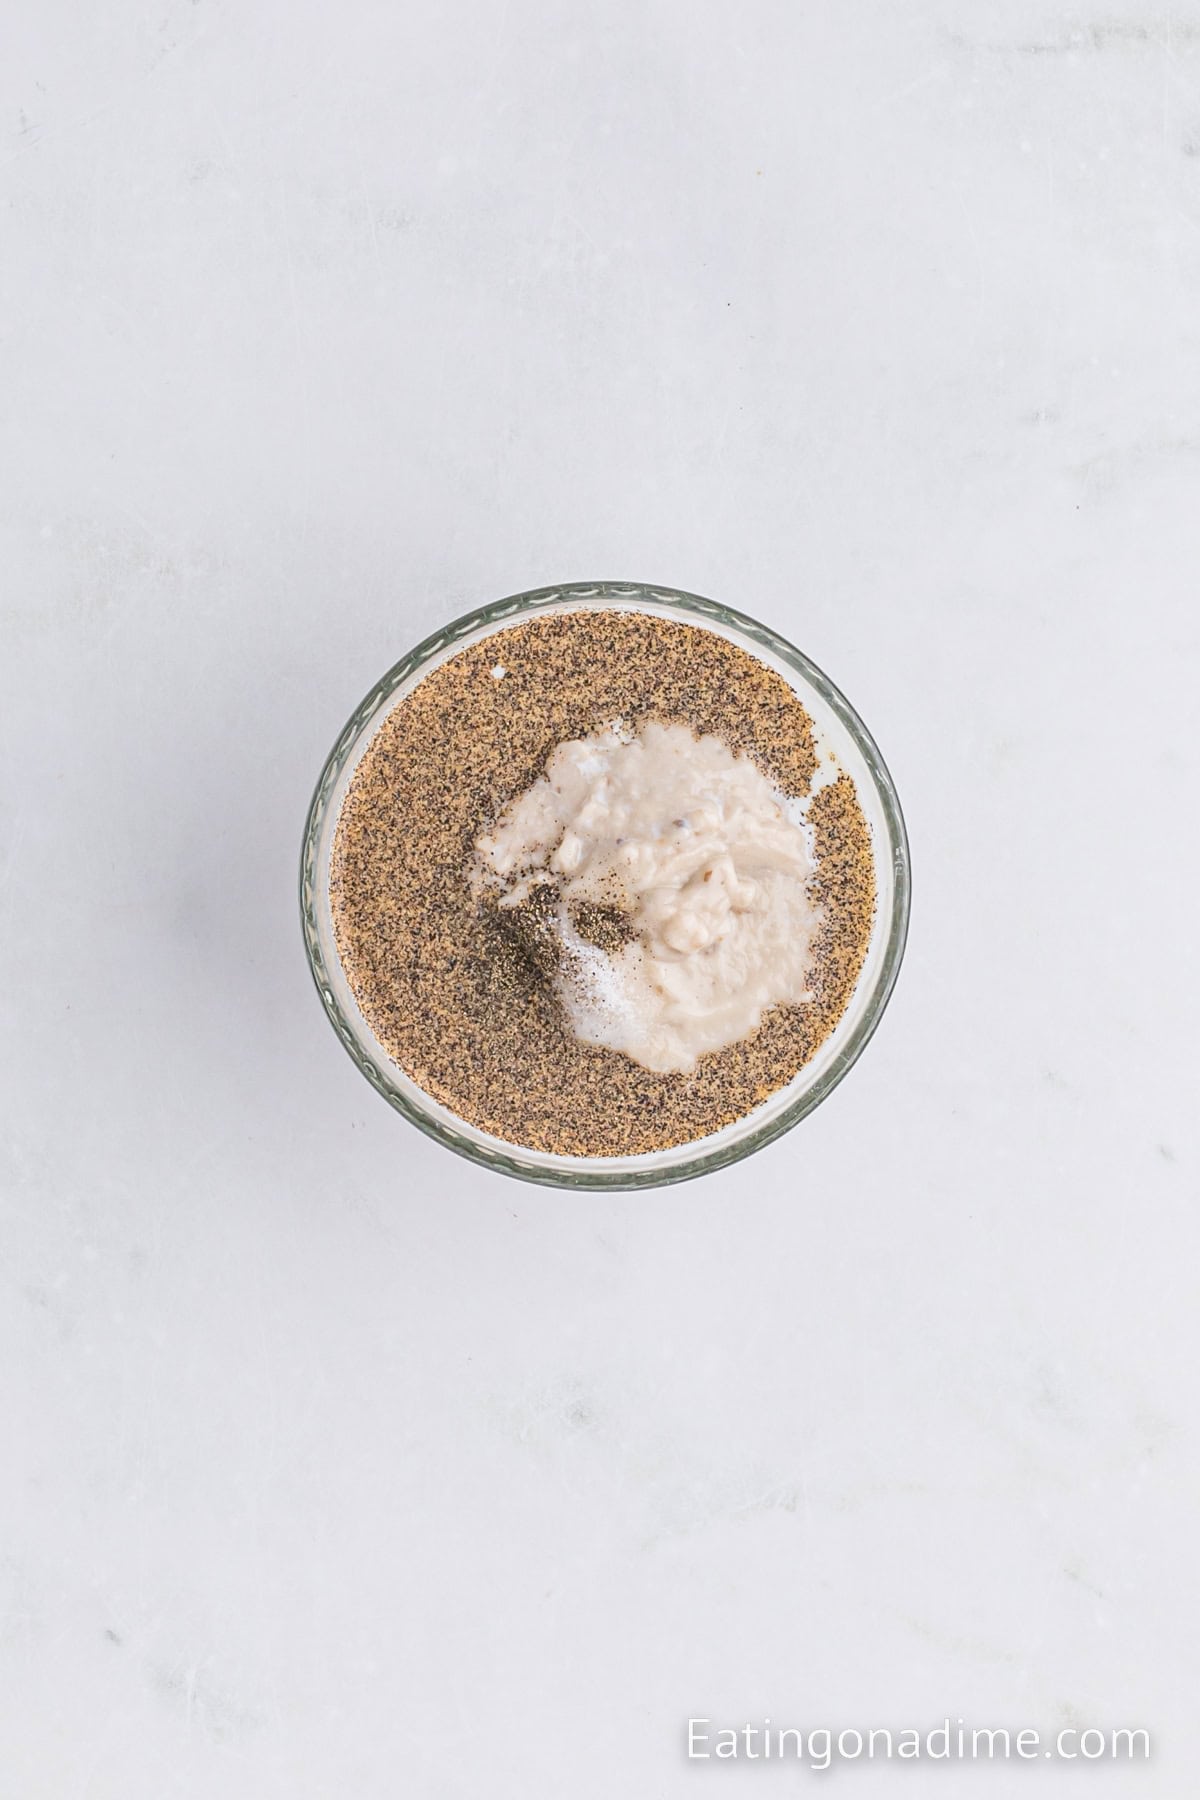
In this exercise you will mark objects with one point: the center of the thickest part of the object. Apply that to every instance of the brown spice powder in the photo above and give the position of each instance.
(462, 1002)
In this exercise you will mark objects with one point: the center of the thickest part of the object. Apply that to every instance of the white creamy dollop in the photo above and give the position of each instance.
(709, 864)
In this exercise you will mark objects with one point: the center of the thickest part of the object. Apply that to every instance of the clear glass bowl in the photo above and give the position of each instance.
(854, 749)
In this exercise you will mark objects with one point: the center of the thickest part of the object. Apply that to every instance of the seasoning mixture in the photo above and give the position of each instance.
(464, 988)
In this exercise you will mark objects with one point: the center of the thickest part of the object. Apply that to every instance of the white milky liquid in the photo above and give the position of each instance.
(710, 864)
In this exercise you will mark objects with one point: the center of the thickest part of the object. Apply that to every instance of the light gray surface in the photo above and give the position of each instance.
(332, 1465)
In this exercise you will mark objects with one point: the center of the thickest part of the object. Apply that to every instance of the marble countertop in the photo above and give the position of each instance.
(333, 1465)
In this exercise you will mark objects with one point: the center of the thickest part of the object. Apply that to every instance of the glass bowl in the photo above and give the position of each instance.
(852, 745)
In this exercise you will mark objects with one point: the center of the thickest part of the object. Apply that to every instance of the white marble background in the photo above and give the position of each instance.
(333, 1467)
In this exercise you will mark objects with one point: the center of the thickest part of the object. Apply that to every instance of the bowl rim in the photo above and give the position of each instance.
(496, 1153)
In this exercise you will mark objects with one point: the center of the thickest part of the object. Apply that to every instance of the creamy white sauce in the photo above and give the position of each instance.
(710, 864)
